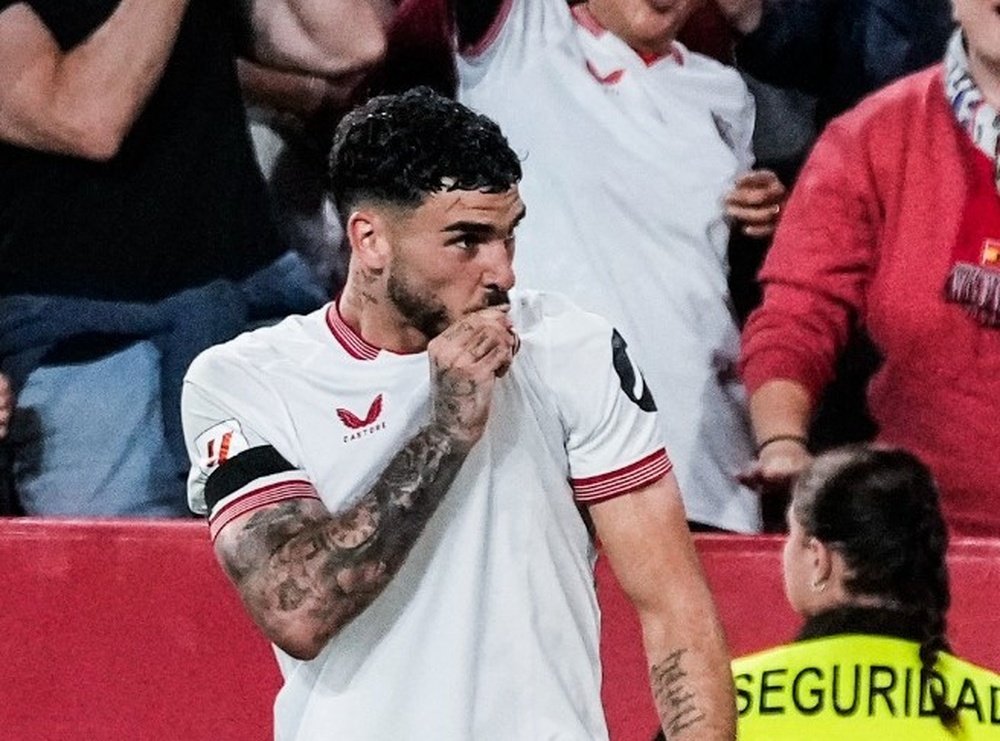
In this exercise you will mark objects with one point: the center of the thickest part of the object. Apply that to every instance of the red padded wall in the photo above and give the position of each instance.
(126, 630)
(129, 630)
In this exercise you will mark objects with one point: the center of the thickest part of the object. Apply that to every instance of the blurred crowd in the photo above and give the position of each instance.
(162, 194)
(791, 207)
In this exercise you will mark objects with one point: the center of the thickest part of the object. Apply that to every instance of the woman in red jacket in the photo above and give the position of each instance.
(895, 225)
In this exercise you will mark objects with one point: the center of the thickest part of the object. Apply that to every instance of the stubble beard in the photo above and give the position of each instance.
(423, 311)
(420, 310)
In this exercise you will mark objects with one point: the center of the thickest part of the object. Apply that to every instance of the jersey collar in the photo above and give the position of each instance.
(586, 19)
(355, 345)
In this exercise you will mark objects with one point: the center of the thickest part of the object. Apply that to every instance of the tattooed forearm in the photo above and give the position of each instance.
(675, 702)
(304, 573)
(303, 570)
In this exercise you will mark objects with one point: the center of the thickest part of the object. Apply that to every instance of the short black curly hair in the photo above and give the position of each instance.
(398, 149)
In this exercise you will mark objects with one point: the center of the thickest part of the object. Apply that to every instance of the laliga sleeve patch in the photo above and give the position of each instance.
(218, 444)
(633, 384)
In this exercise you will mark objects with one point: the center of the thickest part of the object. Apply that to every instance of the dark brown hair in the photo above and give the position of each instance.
(879, 508)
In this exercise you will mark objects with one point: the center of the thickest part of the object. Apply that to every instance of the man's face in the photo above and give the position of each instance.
(451, 256)
(645, 25)
(980, 21)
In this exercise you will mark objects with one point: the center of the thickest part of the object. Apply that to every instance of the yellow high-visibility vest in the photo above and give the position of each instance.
(860, 687)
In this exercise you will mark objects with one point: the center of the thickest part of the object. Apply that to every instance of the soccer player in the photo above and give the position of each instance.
(406, 486)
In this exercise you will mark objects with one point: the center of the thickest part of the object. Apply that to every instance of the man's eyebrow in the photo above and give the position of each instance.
(473, 227)
(479, 227)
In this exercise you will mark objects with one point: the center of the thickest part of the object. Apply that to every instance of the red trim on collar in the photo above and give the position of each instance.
(355, 345)
(586, 19)
(651, 58)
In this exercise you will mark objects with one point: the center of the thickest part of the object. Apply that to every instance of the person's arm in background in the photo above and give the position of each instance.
(645, 537)
(333, 39)
(815, 292)
(781, 410)
(294, 93)
(82, 101)
(6, 405)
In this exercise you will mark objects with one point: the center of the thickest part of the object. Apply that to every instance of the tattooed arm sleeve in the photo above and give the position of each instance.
(645, 537)
(303, 573)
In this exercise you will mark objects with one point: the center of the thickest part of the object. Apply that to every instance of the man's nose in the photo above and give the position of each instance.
(499, 268)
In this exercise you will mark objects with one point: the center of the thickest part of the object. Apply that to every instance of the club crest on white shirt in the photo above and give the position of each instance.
(219, 443)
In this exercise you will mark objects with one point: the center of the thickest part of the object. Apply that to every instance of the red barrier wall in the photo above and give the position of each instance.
(128, 630)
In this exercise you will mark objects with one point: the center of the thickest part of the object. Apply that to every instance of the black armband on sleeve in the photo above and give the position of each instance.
(242, 469)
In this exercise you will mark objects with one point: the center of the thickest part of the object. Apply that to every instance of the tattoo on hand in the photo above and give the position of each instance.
(455, 405)
(674, 699)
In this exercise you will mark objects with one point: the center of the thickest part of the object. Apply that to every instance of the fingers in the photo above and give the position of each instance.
(756, 222)
(755, 203)
(483, 341)
(754, 215)
(758, 188)
(776, 469)
(466, 359)
(756, 179)
(6, 405)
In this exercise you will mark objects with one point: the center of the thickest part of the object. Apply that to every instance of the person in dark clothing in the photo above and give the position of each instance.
(839, 50)
(134, 225)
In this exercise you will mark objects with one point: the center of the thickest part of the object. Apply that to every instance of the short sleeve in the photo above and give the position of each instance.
(70, 23)
(612, 442)
(239, 460)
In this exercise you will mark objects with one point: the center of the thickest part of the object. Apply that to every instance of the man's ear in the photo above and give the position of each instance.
(366, 233)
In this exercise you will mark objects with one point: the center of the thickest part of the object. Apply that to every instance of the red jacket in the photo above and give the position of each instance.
(868, 236)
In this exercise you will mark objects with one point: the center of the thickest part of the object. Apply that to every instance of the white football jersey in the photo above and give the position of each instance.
(626, 164)
(490, 629)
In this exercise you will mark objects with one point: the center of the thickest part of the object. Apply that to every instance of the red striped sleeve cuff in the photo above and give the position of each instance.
(643, 472)
(259, 493)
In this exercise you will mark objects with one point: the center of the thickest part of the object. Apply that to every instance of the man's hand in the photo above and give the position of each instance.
(743, 15)
(6, 405)
(777, 467)
(466, 359)
(755, 202)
